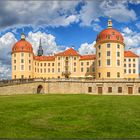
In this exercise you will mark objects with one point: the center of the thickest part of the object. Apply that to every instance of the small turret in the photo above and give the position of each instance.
(40, 50)
(23, 36)
(109, 23)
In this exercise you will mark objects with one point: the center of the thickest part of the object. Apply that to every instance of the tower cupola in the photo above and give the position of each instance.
(109, 25)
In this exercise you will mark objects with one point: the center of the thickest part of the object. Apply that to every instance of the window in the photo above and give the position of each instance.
(118, 74)
(124, 65)
(133, 60)
(22, 54)
(134, 71)
(109, 89)
(52, 64)
(41, 70)
(35, 63)
(44, 64)
(22, 67)
(93, 69)
(108, 45)
(134, 65)
(99, 47)
(22, 76)
(108, 53)
(119, 89)
(29, 55)
(14, 61)
(129, 70)
(15, 76)
(52, 70)
(74, 69)
(118, 54)
(48, 64)
(108, 74)
(118, 62)
(29, 67)
(29, 61)
(108, 36)
(138, 89)
(89, 89)
(117, 37)
(58, 69)
(35, 69)
(99, 74)
(87, 63)
(14, 67)
(48, 70)
(124, 70)
(129, 65)
(58, 64)
(22, 60)
(99, 63)
(58, 58)
(74, 63)
(124, 60)
(82, 63)
(99, 54)
(108, 62)
(118, 46)
(44, 70)
(14, 55)
(87, 69)
(82, 69)
(129, 60)
(74, 58)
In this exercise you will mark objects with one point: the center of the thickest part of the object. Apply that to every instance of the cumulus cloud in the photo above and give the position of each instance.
(6, 43)
(48, 42)
(132, 40)
(87, 48)
(50, 13)
(63, 13)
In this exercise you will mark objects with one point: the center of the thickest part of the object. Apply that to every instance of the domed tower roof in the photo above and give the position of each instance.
(22, 46)
(110, 34)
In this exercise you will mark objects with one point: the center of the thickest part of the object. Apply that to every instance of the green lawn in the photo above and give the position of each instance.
(69, 116)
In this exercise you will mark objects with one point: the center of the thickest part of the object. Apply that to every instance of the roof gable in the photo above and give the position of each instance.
(130, 54)
(68, 52)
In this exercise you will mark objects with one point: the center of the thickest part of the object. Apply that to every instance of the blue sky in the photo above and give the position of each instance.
(63, 24)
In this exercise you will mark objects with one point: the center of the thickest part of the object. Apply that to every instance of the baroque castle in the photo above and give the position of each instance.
(111, 61)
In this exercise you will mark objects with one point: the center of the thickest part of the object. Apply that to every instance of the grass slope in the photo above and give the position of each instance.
(69, 116)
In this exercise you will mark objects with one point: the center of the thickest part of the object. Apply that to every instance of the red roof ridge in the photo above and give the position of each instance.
(130, 54)
(88, 57)
(45, 58)
(68, 52)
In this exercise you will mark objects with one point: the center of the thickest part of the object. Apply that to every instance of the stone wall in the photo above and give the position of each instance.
(71, 87)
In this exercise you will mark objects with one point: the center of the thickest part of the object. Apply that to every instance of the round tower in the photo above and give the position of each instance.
(22, 59)
(109, 54)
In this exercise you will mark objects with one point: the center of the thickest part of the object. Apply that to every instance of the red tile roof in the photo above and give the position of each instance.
(88, 57)
(68, 52)
(130, 54)
(44, 58)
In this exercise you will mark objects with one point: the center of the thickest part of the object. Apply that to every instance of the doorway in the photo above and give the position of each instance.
(100, 90)
(39, 89)
(130, 90)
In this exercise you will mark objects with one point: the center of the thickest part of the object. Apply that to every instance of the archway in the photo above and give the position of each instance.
(39, 89)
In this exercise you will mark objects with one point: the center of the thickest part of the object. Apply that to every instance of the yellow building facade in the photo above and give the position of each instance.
(111, 61)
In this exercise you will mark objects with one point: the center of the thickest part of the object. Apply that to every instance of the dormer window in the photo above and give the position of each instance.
(113, 33)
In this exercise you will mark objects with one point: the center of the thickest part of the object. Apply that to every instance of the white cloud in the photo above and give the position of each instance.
(92, 10)
(86, 48)
(6, 43)
(132, 40)
(48, 42)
